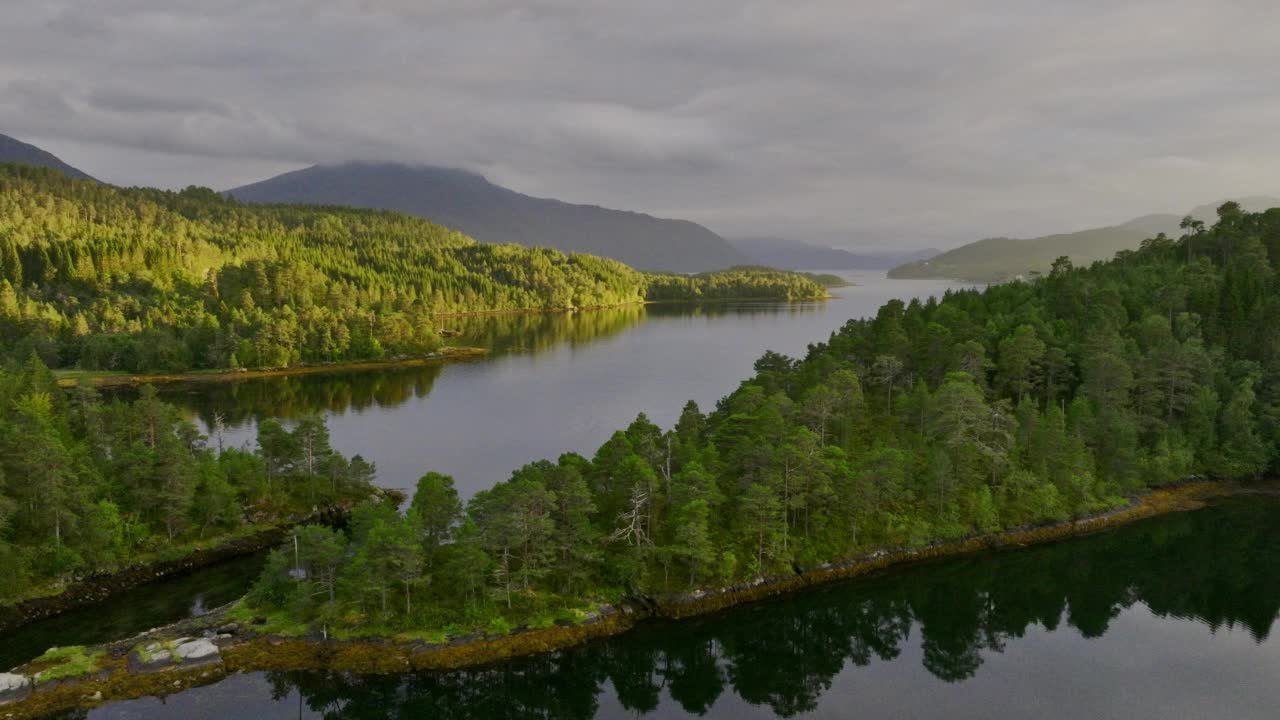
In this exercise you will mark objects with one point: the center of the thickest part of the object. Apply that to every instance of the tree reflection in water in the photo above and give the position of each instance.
(237, 402)
(1218, 567)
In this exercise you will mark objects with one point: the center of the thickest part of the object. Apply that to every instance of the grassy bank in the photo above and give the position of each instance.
(116, 671)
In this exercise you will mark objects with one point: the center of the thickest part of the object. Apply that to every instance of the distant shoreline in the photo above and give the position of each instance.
(69, 378)
(113, 379)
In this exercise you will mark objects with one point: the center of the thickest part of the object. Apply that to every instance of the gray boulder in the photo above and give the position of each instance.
(196, 650)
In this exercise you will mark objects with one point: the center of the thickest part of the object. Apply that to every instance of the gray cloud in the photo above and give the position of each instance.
(920, 121)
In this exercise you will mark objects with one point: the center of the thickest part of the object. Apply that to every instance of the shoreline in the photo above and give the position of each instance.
(108, 379)
(639, 303)
(123, 672)
(114, 379)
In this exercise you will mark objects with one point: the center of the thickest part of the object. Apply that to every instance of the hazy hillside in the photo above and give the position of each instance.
(794, 255)
(15, 151)
(996, 259)
(471, 204)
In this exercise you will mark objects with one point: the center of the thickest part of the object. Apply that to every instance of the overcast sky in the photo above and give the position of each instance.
(911, 122)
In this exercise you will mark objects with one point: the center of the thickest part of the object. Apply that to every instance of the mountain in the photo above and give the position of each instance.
(796, 255)
(15, 151)
(997, 259)
(471, 204)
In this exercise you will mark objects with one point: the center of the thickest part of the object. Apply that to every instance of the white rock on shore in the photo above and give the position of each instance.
(195, 650)
(10, 682)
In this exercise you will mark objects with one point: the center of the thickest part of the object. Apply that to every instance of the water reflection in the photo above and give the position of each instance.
(553, 383)
(293, 396)
(1217, 568)
(134, 611)
(519, 334)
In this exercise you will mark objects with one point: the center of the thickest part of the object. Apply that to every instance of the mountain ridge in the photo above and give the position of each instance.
(995, 259)
(13, 150)
(470, 203)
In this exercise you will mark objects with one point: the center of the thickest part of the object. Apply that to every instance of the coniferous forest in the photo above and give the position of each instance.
(1023, 404)
(102, 278)
(88, 486)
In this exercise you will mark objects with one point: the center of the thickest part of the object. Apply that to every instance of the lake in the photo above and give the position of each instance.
(552, 383)
(1170, 617)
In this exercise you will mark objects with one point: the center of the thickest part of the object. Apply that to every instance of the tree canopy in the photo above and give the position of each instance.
(1022, 404)
(88, 486)
(103, 278)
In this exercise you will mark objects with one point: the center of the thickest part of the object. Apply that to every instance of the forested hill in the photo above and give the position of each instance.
(998, 259)
(98, 277)
(1024, 404)
(16, 151)
(489, 213)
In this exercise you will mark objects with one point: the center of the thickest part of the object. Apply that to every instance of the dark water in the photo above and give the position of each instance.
(134, 611)
(554, 383)
(1167, 618)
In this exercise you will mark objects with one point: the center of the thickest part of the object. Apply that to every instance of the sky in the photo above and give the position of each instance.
(908, 124)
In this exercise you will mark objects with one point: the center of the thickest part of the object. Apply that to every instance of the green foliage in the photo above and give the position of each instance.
(737, 283)
(104, 278)
(106, 484)
(1020, 405)
(66, 662)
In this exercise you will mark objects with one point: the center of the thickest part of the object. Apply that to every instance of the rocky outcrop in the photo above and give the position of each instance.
(12, 685)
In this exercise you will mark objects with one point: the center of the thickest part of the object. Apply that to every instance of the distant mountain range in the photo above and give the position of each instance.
(471, 204)
(16, 151)
(796, 255)
(997, 259)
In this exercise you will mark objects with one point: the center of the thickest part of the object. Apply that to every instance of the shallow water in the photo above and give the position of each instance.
(134, 611)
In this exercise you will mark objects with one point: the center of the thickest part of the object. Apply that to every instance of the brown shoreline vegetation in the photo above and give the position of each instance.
(123, 671)
(109, 380)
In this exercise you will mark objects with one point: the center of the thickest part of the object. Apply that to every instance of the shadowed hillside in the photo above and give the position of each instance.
(471, 204)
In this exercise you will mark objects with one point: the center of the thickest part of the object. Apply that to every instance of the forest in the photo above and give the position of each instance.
(791, 654)
(141, 280)
(88, 486)
(745, 282)
(1022, 404)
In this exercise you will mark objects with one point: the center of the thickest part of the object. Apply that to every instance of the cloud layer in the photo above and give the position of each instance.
(855, 123)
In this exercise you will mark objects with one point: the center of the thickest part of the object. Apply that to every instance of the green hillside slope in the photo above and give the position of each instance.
(98, 277)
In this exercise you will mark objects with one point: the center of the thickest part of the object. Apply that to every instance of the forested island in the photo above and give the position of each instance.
(97, 277)
(1025, 404)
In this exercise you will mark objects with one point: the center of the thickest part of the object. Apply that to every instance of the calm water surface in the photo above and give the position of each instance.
(554, 383)
(1167, 618)
(134, 611)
